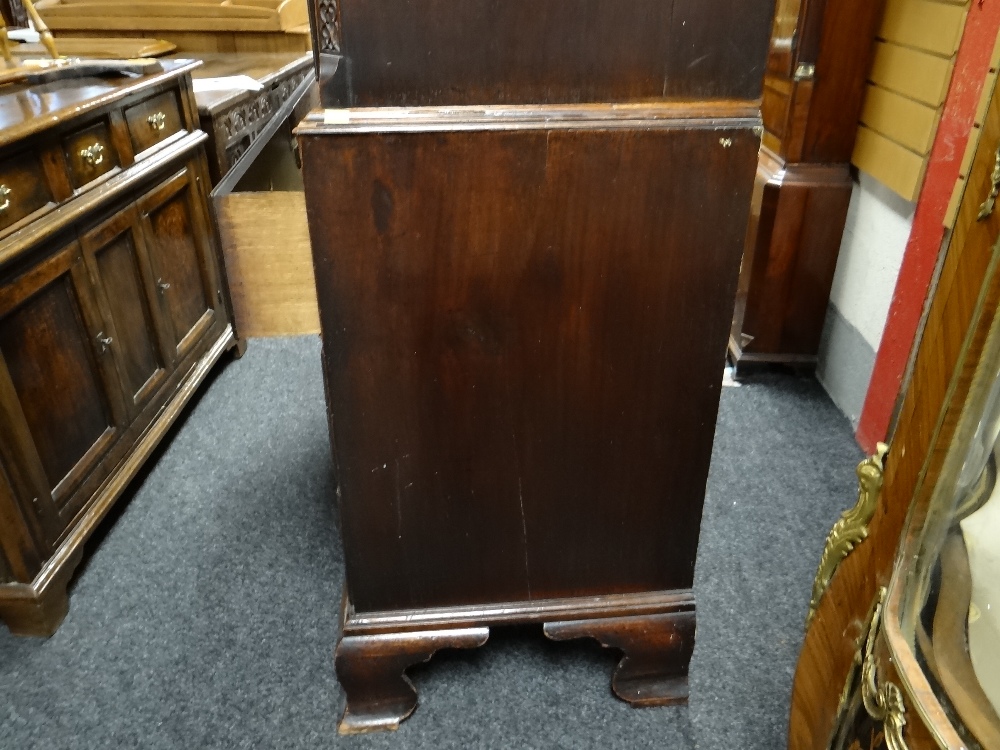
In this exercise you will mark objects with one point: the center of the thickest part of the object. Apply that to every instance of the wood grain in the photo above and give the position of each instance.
(960, 314)
(812, 97)
(502, 309)
(121, 48)
(438, 52)
(269, 260)
(797, 218)
(96, 358)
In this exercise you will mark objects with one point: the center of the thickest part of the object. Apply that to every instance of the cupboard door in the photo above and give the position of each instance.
(126, 296)
(58, 383)
(178, 236)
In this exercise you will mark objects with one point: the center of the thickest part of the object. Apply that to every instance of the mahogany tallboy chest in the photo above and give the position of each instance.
(527, 221)
(113, 308)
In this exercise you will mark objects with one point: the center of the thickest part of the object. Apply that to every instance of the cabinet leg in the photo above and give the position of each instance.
(371, 670)
(657, 651)
(38, 609)
(36, 614)
(239, 347)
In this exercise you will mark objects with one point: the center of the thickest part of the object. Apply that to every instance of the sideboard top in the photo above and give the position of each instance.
(27, 109)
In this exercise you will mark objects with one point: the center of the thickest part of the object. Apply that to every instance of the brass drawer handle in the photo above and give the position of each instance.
(157, 121)
(92, 155)
(5, 197)
(989, 204)
(104, 341)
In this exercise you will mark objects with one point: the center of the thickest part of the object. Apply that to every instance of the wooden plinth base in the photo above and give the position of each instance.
(655, 632)
(793, 239)
(38, 609)
(657, 648)
(746, 364)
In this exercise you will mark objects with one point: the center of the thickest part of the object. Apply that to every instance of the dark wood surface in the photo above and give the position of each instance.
(503, 315)
(435, 52)
(235, 118)
(90, 153)
(525, 313)
(14, 14)
(796, 221)
(23, 189)
(112, 309)
(153, 120)
(819, 57)
(842, 55)
(116, 253)
(26, 110)
(371, 670)
(657, 650)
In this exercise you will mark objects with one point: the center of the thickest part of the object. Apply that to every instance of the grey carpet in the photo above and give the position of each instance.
(205, 613)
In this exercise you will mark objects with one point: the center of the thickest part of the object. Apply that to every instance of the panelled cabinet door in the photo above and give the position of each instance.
(178, 237)
(128, 300)
(58, 383)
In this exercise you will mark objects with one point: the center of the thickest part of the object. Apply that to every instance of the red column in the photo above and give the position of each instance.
(927, 234)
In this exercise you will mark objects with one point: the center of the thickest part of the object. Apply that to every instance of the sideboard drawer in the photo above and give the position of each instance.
(153, 121)
(90, 153)
(23, 189)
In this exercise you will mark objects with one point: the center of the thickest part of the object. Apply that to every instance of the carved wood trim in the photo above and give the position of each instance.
(328, 31)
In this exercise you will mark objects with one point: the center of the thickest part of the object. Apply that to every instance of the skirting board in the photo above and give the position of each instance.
(846, 361)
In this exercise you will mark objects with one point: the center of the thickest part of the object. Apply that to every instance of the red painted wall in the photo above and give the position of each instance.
(927, 234)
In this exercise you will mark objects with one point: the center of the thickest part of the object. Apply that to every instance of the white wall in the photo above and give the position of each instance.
(878, 227)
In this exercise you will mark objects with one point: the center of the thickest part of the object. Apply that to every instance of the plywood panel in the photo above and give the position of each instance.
(924, 24)
(894, 166)
(269, 261)
(907, 122)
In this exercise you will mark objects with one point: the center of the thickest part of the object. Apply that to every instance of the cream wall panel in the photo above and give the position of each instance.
(928, 25)
(891, 164)
(912, 73)
(909, 123)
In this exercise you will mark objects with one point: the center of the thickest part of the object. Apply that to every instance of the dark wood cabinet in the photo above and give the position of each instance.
(54, 346)
(119, 266)
(484, 52)
(175, 223)
(819, 57)
(112, 309)
(525, 317)
(526, 230)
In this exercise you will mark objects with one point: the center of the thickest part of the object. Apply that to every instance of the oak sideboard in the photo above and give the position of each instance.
(113, 309)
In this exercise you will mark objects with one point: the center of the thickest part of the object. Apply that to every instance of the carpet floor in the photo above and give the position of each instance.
(205, 613)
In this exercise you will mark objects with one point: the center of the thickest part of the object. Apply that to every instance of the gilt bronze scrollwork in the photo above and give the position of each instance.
(883, 702)
(852, 528)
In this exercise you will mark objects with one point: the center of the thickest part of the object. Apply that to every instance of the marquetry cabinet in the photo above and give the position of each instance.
(113, 307)
(901, 648)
